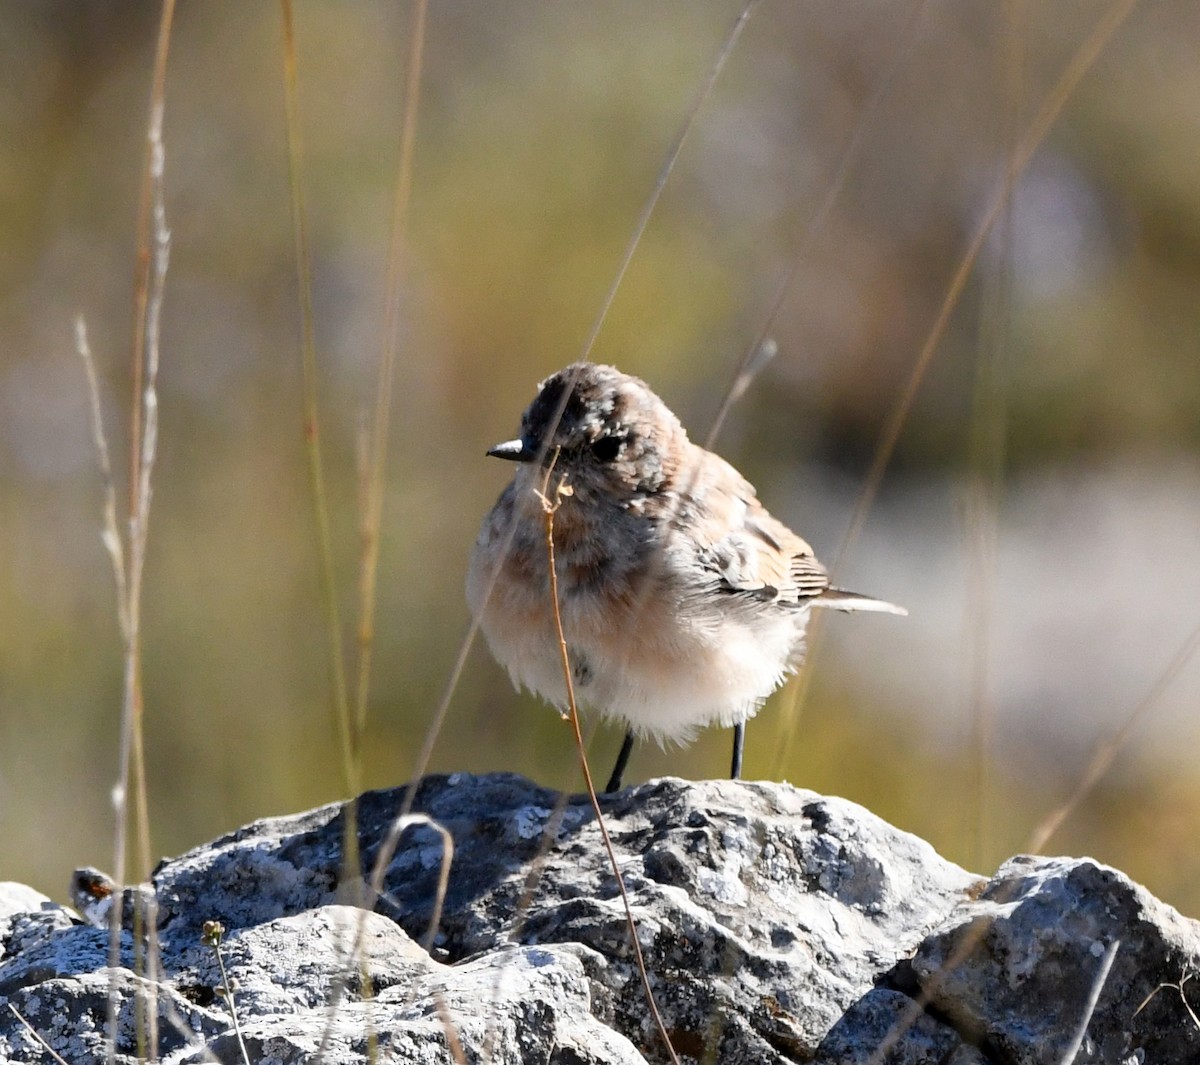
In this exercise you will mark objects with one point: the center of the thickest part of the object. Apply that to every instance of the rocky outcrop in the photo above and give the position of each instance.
(777, 925)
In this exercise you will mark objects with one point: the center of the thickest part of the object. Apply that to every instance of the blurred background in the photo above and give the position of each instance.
(1040, 518)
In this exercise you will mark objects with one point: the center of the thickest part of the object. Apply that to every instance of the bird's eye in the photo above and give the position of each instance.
(607, 448)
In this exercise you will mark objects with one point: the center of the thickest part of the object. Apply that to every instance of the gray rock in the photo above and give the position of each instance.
(776, 925)
(890, 1027)
(19, 898)
(1039, 934)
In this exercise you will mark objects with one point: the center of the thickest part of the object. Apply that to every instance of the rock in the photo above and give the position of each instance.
(19, 898)
(776, 926)
(1040, 933)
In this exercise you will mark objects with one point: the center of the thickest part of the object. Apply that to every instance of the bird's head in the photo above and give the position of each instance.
(603, 430)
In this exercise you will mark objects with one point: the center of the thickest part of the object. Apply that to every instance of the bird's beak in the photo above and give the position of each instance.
(514, 451)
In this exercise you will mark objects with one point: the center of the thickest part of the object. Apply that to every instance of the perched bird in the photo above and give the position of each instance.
(683, 602)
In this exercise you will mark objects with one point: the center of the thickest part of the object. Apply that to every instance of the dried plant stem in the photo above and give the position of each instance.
(673, 153)
(1098, 982)
(1023, 152)
(452, 1041)
(987, 459)
(128, 556)
(37, 1035)
(212, 935)
(549, 507)
(752, 358)
(388, 850)
(372, 516)
(914, 1009)
(115, 546)
(375, 891)
(340, 702)
(311, 416)
(1182, 997)
(142, 268)
(1106, 752)
(456, 671)
(1052, 105)
(110, 534)
(796, 692)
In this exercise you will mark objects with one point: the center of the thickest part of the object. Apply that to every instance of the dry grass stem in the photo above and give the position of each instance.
(142, 268)
(452, 1041)
(1052, 107)
(1098, 982)
(375, 891)
(128, 557)
(1182, 997)
(311, 413)
(388, 850)
(914, 1009)
(37, 1035)
(1107, 751)
(796, 692)
(110, 534)
(550, 506)
(377, 459)
(213, 932)
(673, 153)
(755, 359)
(456, 671)
(750, 362)
(989, 430)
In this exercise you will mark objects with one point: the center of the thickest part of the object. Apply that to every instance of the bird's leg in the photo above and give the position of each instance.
(739, 739)
(614, 781)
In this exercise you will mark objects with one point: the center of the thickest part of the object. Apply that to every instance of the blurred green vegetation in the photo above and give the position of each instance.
(541, 130)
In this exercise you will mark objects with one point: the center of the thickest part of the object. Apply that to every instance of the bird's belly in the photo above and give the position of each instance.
(660, 667)
(671, 686)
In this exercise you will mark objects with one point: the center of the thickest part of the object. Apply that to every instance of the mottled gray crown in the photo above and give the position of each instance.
(586, 395)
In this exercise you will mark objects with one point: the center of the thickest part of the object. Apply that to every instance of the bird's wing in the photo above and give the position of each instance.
(746, 551)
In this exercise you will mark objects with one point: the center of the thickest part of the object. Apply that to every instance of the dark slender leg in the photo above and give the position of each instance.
(614, 782)
(739, 738)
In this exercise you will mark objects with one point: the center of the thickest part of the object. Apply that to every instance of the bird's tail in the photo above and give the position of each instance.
(841, 599)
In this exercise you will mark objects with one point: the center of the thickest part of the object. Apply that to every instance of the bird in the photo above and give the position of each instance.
(683, 602)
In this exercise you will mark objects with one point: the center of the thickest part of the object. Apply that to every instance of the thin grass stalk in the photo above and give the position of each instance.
(748, 365)
(115, 545)
(460, 661)
(138, 537)
(549, 507)
(1052, 106)
(212, 935)
(533, 875)
(340, 702)
(1053, 103)
(37, 1036)
(1106, 752)
(374, 892)
(110, 535)
(453, 1043)
(141, 285)
(987, 460)
(796, 691)
(1182, 997)
(153, 253)
(377, 457)
(1089, 1009)
(311, 413)
(660, 183)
